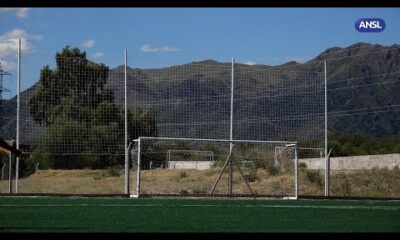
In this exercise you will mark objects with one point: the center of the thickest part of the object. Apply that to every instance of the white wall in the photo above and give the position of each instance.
(200, 165)
(337, 163)
(355, 162)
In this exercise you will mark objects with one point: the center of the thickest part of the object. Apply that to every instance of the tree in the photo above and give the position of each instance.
(84, 128)
(142, 123)
(78, 113)
(75, 80)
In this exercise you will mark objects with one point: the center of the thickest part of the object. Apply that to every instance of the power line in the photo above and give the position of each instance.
(370, 76)
(294, 117)
(363, 85)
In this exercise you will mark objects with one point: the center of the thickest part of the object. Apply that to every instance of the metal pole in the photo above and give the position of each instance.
(138, 171)
(126, 128)
(10, 174)
(296, 184)
(321, 156)
(2, 171)
(328, 170)
(245, 179)
(18, 110)
(326, 136)
(220, 174)
(231, 132)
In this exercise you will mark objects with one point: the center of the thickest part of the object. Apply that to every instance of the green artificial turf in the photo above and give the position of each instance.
(46, 214)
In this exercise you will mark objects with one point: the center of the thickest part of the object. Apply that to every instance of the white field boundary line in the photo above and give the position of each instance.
(203, 205)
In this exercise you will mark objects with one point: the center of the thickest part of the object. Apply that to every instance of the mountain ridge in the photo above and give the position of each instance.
(343, 63)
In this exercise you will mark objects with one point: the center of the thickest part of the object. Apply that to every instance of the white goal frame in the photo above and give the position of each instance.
(278, 150)
(139, 140)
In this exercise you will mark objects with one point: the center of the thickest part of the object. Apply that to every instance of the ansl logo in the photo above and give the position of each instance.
(370, 25)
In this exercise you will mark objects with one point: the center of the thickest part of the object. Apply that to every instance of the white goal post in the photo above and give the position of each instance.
(225, 177)
(309, 151)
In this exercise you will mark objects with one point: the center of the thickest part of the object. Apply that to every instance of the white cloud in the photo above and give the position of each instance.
(7, 65)
(22, 12)
(147, 49)
(19, 12)
(89, 43)
(168, 49)
(98, 55)
(250, 63)
(14, 34)
(9, 42)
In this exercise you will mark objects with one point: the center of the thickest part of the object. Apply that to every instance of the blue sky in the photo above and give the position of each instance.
(167, 36)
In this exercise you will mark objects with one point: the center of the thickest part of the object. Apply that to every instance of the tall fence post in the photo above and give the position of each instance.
(138, 169)
(327, 173)
(231, 133)
(10, 173)
(126, 125)
(326, 136)
(296, 175)
(18, 111)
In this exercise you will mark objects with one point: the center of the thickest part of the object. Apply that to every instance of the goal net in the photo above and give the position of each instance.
(188, 159)
(311, 168)
(212, 167)
(77, 115)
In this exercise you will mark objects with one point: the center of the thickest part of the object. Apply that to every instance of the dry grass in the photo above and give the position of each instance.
(153, 181)
(371, 183)
(69, 181)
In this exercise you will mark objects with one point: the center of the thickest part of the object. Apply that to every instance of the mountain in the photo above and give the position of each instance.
(193, 99)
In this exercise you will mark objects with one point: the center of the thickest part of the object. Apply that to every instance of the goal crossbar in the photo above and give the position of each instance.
(215, 140)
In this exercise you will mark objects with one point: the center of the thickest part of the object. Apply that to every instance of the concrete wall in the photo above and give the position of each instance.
(200, 165)
(355, 162)
(336, 163)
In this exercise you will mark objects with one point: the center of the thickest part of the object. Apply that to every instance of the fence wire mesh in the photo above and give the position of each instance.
(72, 116)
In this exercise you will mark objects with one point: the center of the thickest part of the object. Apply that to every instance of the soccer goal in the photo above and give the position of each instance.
(234, 168)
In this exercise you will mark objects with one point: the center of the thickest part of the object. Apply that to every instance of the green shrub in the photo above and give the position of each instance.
(183, 174)
(183, 192)
(273, 170)
(314, 177)
(113, 172)
(302, 165)
(3, 157)
(252, 175)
